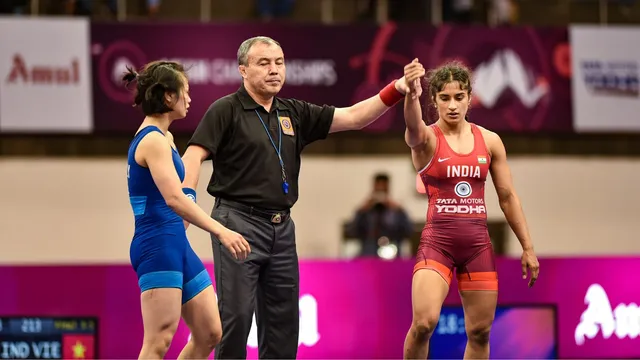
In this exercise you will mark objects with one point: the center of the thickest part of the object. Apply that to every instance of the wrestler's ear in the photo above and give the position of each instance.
(242, 69)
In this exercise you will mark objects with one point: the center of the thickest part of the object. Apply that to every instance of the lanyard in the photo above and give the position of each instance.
(285, 184)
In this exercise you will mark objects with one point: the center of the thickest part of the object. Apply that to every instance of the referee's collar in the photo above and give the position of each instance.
(249, 104)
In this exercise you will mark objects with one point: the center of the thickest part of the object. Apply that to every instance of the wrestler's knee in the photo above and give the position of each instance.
(479, 333)
(424, 325)
(208, 339)
(159, 342)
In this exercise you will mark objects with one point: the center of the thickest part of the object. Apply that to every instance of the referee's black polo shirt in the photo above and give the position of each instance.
(245, 164)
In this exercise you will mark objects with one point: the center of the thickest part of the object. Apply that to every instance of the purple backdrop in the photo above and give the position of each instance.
(364, 302)
(522, 81)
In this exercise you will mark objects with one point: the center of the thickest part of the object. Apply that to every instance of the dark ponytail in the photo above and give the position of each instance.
(129, 76)
(154, 81)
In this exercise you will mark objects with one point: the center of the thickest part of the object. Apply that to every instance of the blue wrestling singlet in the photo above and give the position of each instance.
(160, 252)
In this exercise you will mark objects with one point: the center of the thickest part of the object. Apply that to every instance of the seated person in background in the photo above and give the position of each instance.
(274, 9)
(380, 221)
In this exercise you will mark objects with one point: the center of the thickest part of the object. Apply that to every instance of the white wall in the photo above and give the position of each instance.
(78, 210)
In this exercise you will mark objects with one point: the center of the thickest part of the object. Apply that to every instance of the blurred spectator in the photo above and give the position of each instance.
(396, 10)
(153, 7)
(626, 6)
(408, 11)
(13, 6)
(79, 7)
(367, 10)
(380, 224)
(274, 9)
(87, 7)
(503, 12)
(457, 11)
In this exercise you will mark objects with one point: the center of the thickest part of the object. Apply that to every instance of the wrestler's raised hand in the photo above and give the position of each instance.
(413, 73)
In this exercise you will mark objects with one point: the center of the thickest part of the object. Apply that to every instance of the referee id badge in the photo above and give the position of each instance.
(286, 126)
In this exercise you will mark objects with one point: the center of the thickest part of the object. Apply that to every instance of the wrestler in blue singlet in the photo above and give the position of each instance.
(160, 252)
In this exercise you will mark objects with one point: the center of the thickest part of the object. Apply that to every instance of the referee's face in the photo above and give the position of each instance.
(265, 72)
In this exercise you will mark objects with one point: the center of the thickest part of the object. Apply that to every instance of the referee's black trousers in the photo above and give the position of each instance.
(267, 282)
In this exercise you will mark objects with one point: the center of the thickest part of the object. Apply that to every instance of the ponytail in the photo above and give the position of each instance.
(129, 76)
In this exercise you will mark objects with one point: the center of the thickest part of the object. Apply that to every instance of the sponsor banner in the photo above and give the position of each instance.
(362, 308)
(521, 81)
(45, 78)
(606, 81)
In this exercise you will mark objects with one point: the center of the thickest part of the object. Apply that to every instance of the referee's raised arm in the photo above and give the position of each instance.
(358, 116)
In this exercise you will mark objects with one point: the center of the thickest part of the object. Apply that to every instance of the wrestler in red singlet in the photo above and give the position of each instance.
(455, 235)
(453, 158)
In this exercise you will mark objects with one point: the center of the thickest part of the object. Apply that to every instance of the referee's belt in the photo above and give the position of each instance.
(273, 216)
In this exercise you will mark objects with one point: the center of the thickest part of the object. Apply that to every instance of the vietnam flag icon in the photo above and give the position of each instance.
(78, 347)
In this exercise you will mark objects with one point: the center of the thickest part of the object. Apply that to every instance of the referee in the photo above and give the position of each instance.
(254, 140)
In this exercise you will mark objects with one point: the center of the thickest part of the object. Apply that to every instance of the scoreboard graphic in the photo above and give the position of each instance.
(48, 338)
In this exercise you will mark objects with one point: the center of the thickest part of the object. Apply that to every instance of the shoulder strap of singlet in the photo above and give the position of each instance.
(146, 130)
(141, 134)
(436, 130)
(137, 138)
(474, 130)
(478, 139)
(439, 138)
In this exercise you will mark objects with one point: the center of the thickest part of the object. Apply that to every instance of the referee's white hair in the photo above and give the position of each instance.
(243, 50)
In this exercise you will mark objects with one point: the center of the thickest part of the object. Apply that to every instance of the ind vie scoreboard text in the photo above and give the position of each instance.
(48, 338)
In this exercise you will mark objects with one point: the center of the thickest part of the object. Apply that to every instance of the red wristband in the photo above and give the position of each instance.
(390, 95)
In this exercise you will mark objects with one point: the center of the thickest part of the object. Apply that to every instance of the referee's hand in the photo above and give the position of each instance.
(235, 243)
